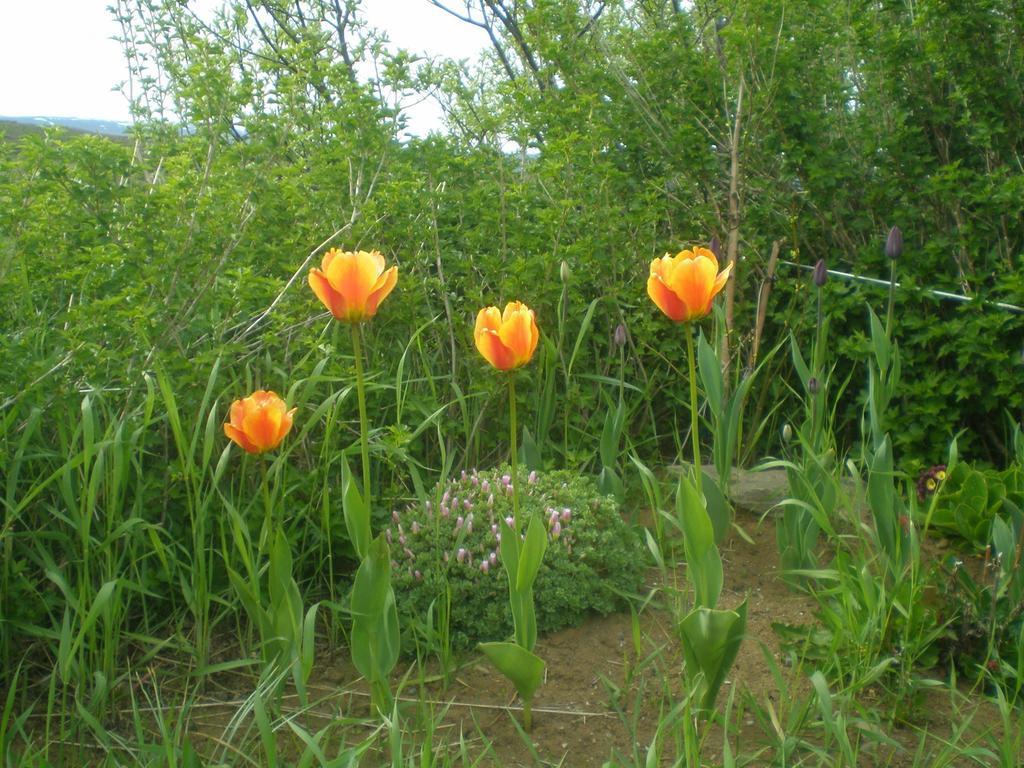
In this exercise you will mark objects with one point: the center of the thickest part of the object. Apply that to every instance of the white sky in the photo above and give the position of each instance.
(57, 58)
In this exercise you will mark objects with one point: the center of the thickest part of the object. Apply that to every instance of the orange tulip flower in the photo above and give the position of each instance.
(506, 340)
(352, 284)
(683, 285)
(259, 422)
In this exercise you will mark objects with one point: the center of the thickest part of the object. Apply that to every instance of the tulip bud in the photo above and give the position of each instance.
(461, 555)
(532, 478)
(715, 246)
(894, 243)
(787, 432)
(493, 557)
(620, 335)
(563, 271)
(813, 386)
(820, 274)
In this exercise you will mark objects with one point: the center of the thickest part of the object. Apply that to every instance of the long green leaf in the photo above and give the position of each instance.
(522, 667)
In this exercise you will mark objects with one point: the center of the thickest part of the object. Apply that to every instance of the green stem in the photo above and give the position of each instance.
(892, 298)
(819, 349)
(513, 429)
(818, 365)
(364, 442)
(380, 697)
(266, 535)
(694, 416)
(528, 715)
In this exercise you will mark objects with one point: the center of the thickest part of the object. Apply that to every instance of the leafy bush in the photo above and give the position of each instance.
(593, 557)
(971, 499)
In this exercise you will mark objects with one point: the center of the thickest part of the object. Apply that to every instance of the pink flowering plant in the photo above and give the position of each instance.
(453, 542)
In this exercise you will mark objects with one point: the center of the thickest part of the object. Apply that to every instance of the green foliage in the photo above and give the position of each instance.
(972, 497)
(987, 606)
(593, 559)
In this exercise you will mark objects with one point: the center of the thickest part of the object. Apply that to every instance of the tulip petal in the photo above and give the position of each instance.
(692, 282)
(706, 253)
(511, 309)
(384, 285)
(237, 413)
(488, 319)
(722, 279)
(330, 298)
(517, 333)
(489, 344)
(238, 437)
(664, 298)
(328, 258)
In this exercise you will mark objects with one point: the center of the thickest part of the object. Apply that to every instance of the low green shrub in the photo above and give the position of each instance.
(592, 560)
(971, 498)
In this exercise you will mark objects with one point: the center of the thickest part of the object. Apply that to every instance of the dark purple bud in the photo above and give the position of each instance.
(813, 386)
(620, 335)
(716, 247)
(894, 243)
(820, 273)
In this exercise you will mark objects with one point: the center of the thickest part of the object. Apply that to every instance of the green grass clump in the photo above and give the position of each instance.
(451, 543)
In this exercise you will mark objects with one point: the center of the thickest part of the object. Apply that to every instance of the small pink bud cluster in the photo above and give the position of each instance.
(460, 529)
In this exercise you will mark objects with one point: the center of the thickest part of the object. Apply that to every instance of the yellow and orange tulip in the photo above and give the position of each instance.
(506, 339)
(259, 422)
(684, 285)
(352, 284)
